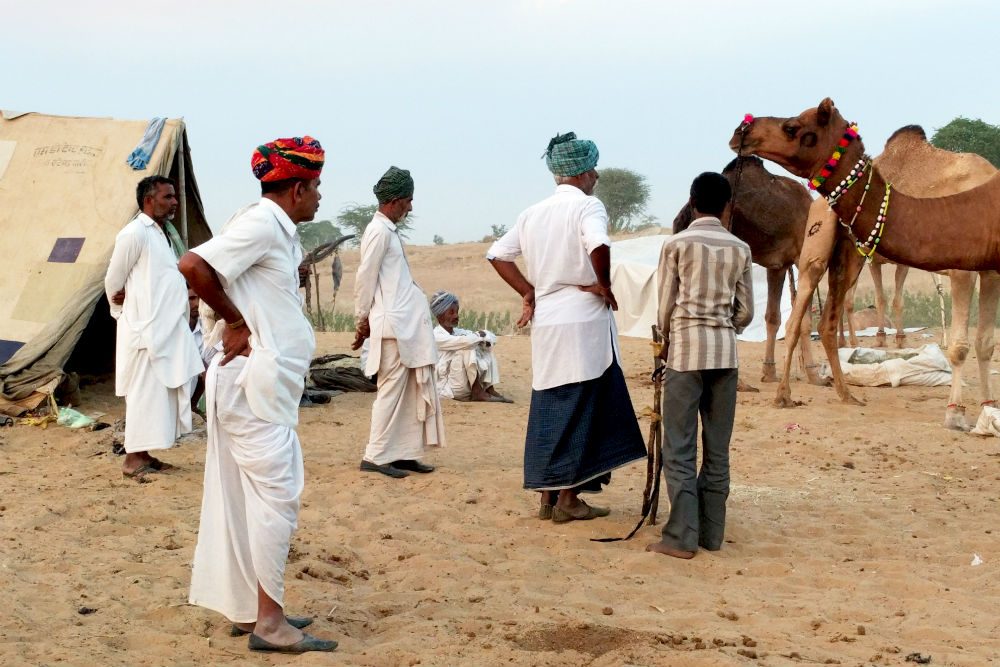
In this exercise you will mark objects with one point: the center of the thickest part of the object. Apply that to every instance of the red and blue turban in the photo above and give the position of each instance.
(281, 159)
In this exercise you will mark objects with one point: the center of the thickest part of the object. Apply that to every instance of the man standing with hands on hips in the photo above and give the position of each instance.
(249, 275)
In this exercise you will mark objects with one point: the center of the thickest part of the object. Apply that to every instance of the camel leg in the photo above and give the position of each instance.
(989, 294)
(806, 363)
(798, 322)
(962, 284)
(845, 265)
(805, 349)
(875, 268)
(822, 223)
(897, 305)
(849, 317)
(772, 320)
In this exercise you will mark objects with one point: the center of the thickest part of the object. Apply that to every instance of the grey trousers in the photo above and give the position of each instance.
(697, 501)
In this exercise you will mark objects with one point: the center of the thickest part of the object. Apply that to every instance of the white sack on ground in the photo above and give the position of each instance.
(988, 422)
(924, 366)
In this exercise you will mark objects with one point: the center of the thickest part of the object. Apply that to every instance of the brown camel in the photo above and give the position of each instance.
(916, 230)
(917, 168)
(770, 215)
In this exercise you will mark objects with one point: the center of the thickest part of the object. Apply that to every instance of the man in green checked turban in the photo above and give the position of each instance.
(581, 423)
(395, 184)
(392, 314)
(569, 156)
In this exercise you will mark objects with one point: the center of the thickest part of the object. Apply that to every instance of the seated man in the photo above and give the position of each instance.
(467, 368)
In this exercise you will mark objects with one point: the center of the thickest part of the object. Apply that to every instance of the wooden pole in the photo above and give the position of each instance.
(944, 322)
(308, 286)
(320, 321)
(182, 186)
(654, 452)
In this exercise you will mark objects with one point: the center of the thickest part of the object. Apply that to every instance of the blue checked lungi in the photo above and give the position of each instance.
(578, 433)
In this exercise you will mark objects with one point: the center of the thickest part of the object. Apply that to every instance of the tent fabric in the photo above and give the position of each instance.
(634, 264)
(65, 192)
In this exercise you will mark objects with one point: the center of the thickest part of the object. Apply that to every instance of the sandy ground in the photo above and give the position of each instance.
(850, 538)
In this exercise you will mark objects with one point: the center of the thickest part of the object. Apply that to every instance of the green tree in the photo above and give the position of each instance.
(315, 234)
(438, 240)
(498, 230)
(354, 218)
(624, 194)
(965, 135)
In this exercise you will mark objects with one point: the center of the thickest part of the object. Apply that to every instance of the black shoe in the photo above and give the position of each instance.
(412, 465)
(387, 469)
(306, 644)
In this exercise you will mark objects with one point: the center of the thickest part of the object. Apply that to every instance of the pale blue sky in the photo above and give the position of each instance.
(466, 94)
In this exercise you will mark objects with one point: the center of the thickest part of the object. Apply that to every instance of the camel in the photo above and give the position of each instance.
(914, 231)
(770, 215)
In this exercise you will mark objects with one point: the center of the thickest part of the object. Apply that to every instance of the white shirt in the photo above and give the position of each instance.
(385, 293)
(573, 334)
(257, 256)
(154, 316)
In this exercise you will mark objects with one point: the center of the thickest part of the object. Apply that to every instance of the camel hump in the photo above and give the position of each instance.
(916, 131)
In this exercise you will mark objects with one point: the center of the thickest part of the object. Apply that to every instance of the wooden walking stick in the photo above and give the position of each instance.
(654, 449)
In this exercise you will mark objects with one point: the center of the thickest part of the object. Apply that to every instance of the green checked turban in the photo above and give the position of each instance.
(394, 184)
(569, 156)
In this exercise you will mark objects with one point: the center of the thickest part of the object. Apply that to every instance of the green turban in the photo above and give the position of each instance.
(394, 184)
(569, 156)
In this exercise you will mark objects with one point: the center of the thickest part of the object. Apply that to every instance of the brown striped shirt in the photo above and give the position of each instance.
(706, 296)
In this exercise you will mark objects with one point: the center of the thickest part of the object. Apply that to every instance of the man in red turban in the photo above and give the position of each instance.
(282, 159)
(248, 273)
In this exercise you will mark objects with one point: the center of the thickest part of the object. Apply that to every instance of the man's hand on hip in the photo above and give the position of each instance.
(235, 343)
(603, 292)
(527, 308)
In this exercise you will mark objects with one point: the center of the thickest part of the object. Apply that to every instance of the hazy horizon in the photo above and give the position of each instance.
(467, 95)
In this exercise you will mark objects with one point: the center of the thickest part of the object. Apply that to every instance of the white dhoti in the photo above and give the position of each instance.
(253, 484)
(155, 415)
(458, 371)
(406, 414)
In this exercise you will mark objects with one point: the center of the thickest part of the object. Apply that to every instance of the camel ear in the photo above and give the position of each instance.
(824, 112)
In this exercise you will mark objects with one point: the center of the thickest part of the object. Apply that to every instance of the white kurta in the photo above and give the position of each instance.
(385, 293)
(464, 357)
(406, 414)
(257, 256)
(253, 464)
(573, 333)
(155, 352)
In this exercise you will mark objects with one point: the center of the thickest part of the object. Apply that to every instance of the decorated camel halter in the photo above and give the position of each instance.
(850, 134)
(867, 247)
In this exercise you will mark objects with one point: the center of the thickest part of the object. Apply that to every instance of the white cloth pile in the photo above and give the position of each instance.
(925, 366)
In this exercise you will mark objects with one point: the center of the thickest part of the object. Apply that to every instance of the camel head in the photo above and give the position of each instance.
(801, 144)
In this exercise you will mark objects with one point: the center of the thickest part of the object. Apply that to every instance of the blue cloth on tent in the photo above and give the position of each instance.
(143, 153)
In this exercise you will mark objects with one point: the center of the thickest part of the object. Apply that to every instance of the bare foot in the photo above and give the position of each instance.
(661, 548)
(136, 460)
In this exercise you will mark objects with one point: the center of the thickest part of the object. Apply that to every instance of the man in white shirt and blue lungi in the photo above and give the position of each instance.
(581, 424)
(249, 275)
(392, 311)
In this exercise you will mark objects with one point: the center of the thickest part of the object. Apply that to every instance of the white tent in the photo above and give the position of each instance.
(633, 279)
